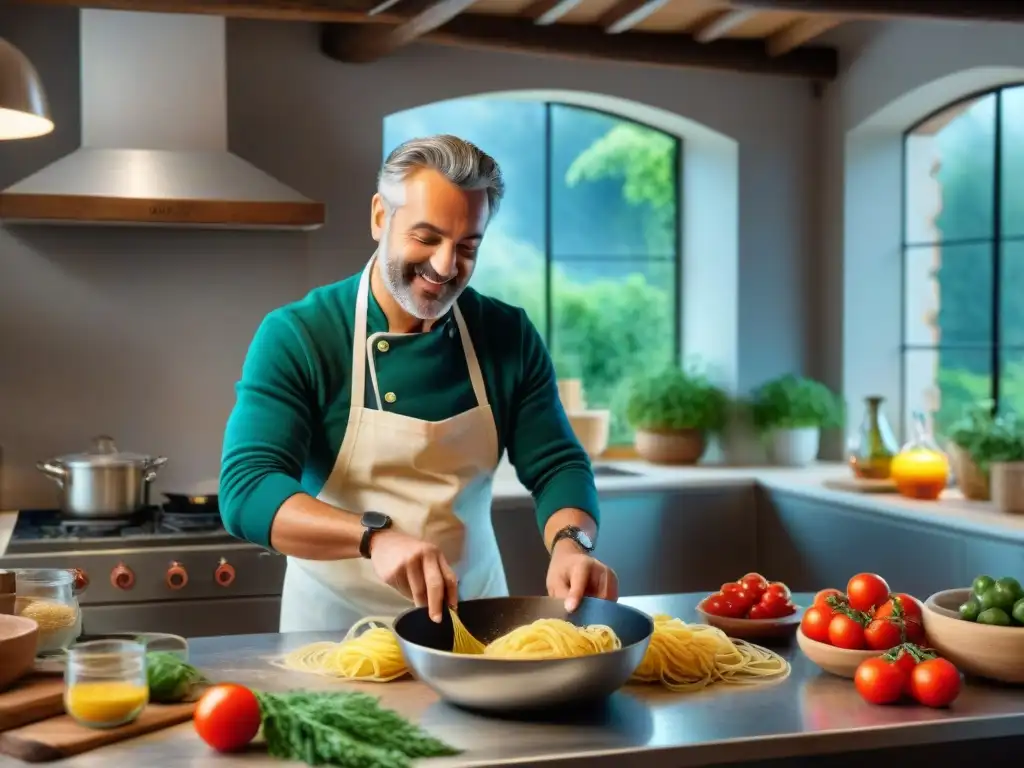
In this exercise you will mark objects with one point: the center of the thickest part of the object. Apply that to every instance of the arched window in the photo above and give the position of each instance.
(587, 239)
(963, 250)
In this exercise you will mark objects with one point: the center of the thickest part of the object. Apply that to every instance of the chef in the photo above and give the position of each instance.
(372, 413)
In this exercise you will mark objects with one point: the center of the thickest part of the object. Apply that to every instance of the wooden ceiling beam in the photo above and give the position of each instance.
(546, 12)
(958, 10)
(589, 41)
(799, 33)
(626, 14)
(363, 43)
(348, 11)
(721, 23)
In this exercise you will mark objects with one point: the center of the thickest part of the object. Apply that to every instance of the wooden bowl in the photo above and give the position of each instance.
(837, 661)
(978, 649)
(592, 429)
(752, 629)
(18, 637)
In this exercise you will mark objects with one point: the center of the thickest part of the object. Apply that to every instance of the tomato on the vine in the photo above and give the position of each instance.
(879, 682)
(821, 599)
(227, 717)
(815, 623)
(914, 632)
(845, 632)
(882, 634)
(905, 661)
(866, 591)
(908, 606)
(935, 683)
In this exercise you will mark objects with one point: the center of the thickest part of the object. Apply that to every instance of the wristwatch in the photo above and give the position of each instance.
(578, 535)
(372, 522)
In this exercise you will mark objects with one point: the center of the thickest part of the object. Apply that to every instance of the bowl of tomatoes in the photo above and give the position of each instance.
(751, 608)
(840, 629)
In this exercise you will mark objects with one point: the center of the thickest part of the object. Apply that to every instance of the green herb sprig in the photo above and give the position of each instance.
(170, 678)
(348, 730)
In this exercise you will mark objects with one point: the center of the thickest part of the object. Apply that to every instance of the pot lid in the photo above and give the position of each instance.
(104, 453)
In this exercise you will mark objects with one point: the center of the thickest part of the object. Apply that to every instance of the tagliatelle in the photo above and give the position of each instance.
(680, 657)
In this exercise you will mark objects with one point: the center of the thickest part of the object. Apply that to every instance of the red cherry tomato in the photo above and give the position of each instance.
(914, 632)
(909, 606)
(935, 683)
(227, 717)
(754, 583)
(882, 634)
(758, 612)
(821, 599)
(866, 591)
(777, 587)
(714, 604)
(879, 682)
(844, 632)
(906, 662)
(743, 598)
(815, 623)
(732, 586)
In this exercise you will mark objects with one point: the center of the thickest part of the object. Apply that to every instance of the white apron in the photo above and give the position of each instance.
(432, 478)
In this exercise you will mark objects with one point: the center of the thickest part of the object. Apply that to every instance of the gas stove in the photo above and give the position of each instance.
(157, 571)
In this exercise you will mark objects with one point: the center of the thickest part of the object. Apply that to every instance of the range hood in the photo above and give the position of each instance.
(154, 137)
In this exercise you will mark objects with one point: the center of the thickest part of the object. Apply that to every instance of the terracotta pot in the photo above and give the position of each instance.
(972, 482)
(680, 446)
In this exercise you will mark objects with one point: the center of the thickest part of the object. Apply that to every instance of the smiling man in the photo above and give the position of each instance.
(372, 414)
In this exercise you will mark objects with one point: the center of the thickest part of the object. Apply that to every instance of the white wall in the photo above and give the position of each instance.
(899, 74)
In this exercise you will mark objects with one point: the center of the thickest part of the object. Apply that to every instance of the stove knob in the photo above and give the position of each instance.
(225, 573)
(81, 580)
(122, 577)
(176, 577)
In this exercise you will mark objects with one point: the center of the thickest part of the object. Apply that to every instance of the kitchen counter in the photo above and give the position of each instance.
(809, 714)
(952, 511)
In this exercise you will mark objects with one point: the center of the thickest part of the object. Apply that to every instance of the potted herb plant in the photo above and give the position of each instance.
(790, 411)
(987, 454)
(672, 412)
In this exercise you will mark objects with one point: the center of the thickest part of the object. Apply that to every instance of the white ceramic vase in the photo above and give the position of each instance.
(794, 447)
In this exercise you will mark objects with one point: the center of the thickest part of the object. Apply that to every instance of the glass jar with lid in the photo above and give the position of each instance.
(105, 682)
(47, 596)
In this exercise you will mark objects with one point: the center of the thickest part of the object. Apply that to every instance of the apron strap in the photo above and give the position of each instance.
(361, 352)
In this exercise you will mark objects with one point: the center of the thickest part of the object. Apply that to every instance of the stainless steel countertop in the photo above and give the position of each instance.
(810, 713)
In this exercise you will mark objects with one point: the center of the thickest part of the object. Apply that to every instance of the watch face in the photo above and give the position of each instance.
(375, 520)
(584, 540)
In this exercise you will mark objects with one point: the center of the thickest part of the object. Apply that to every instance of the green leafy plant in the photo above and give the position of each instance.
(795, 402)
(171, 678)
(675, 399)
(987, 437)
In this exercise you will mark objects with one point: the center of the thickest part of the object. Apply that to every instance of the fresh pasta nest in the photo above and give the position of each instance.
(680, 657)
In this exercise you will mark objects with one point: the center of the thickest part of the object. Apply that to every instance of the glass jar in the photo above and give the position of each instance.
(105, 682)
(874, 446)
(920, 470)
(47, 595)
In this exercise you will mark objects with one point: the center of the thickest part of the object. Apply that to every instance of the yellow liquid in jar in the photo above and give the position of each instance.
(107, 703)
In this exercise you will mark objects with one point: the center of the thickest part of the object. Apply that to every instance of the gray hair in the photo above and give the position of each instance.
(464, 164)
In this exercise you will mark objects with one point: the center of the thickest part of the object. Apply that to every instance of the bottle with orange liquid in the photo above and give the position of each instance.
(920, 470)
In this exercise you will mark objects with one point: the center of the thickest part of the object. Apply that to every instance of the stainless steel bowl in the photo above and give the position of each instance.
(514, 686)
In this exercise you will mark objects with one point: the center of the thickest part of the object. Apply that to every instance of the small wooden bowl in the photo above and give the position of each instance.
(752, 629)
(836, 661)
(978, 649)
(18, 637)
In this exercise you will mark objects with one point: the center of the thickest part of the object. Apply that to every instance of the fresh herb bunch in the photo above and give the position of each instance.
(795, 402)
(170, 678)
(348, 730)
(988, 438)
(674, 399)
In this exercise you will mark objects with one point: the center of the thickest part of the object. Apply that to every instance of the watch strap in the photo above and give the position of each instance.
(372, 522)
(576, 535)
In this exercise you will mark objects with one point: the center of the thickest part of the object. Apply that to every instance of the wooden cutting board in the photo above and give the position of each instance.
(31, 699)
(861, 485)
(61, 737)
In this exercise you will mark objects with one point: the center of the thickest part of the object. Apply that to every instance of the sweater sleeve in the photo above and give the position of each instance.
(268, 433)
(548, 458)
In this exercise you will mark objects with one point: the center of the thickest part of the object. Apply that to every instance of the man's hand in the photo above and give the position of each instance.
(574, 575)
(415, 568)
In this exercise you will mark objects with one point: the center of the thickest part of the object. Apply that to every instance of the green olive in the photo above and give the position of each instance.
(969, 611)
(994, 617)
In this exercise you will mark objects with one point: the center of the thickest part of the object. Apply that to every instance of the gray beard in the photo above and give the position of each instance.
(391, 269)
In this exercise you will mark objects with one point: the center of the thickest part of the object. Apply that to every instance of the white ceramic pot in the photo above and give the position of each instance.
(794, 447)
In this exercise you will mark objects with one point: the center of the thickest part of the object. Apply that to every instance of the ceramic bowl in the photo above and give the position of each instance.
(837, 661)
(996, 653)
(18, 637)
(592, 429)
(752, 629)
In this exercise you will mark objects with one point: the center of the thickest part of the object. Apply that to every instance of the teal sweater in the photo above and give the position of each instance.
(292, 407)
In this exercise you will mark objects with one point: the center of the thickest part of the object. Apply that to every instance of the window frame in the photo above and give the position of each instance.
(995, 240)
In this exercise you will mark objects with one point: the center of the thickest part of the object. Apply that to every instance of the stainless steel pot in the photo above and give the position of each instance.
(103, 482)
